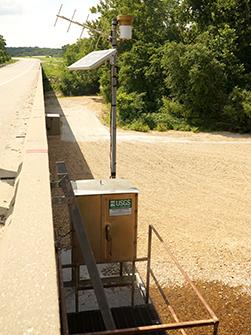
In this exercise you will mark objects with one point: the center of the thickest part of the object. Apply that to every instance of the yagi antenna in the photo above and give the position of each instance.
(83, 25)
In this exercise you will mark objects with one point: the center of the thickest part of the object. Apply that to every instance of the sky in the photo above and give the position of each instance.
(31, 22)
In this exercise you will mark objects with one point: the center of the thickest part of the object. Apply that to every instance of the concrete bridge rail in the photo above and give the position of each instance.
(28, 278)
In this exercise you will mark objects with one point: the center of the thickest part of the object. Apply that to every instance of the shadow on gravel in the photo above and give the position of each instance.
(231, 135)
(59, 150)
(231, 305)
(76, 165)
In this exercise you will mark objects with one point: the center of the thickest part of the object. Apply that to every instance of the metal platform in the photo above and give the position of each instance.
(124, 317)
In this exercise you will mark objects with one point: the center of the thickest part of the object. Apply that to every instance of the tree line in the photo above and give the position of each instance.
(187, 67)
(34, 51)
(4, 56)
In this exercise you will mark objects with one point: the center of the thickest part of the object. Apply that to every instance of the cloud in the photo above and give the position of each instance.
(10, 7)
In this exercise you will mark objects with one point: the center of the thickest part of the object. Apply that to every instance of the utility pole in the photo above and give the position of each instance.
(114, 84)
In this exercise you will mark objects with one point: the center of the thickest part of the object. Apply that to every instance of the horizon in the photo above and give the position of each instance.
(30, 46)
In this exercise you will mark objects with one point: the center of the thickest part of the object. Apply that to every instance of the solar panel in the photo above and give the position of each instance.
(93, 60)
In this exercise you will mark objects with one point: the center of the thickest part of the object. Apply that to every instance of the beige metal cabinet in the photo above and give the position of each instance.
(109, 210)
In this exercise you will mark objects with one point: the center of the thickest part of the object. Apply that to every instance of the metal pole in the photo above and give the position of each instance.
(216, 326)
(76, 288)
(121, 269)
(149, 255)
(114, 101)
(133, 283)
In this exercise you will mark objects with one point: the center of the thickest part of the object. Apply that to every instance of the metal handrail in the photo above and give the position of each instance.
(154, 328)
(185, 275)
(62, 305)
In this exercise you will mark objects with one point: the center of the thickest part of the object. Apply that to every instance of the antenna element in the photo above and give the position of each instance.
(71, 20)
(58, 15)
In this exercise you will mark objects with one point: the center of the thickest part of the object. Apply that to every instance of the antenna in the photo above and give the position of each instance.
(83, 25)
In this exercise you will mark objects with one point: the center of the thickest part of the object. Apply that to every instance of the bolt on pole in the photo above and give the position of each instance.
(113, 129)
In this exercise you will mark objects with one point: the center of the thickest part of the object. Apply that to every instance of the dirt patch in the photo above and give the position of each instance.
(230, 305)
(195, 189)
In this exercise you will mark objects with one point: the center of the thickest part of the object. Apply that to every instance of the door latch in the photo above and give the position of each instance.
(108, 232)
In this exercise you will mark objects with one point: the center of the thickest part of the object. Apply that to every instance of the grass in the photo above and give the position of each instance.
(11, 61)
(53, 68)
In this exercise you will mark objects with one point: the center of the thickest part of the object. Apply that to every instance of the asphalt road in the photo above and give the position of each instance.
(17, 88)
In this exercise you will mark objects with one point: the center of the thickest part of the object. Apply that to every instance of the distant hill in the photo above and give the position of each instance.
(33, 51)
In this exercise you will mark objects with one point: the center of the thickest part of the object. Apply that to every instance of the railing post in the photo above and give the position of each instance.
(216, 326)
(149, 255)
(133, 283)
(76, 288)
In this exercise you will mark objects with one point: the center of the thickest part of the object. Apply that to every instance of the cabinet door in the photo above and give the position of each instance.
(90, 209)
(119, 227)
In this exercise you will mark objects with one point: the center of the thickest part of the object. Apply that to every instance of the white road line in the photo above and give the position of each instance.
(17, 76)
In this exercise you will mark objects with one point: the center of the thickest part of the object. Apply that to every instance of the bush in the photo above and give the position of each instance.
(238, 109)
(130, 106)
(139, 125)
(170, 116)
(79, 83)
(196, 79)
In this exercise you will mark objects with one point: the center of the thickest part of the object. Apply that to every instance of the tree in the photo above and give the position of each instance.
(188, 64)
(138, 76)
(200, 75)
(4, 57)
(78, 83)
(211, 60)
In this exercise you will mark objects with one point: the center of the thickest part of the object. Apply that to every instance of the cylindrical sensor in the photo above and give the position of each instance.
(125, 26)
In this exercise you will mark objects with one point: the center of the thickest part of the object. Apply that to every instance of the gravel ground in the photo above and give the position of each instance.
(194, 188)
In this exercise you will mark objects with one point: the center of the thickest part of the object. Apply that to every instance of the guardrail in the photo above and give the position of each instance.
(28, 277)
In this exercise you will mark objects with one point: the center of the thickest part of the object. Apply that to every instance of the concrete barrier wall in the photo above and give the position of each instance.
(28, 279)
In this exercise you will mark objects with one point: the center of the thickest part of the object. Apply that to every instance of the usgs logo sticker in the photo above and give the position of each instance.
(120, 207)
